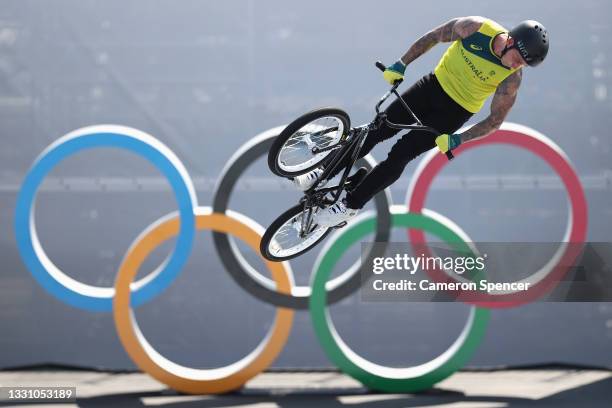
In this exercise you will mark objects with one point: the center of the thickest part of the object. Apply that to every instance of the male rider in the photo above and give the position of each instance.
(484, 59)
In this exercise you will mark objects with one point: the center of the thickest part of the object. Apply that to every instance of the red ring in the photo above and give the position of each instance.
(546, 149)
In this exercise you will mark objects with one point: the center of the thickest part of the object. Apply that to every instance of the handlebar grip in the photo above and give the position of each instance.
(449, 155)
(382, 67)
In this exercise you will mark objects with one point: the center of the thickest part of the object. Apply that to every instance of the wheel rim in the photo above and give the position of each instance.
(296, 154)
(286, 241)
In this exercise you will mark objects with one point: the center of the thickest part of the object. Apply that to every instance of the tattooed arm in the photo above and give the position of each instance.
(450, 31)
(504, 98)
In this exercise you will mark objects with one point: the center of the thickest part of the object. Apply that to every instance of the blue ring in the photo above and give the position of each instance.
(166, 162)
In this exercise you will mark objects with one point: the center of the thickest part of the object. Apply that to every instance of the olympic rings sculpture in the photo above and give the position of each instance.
(280, 291)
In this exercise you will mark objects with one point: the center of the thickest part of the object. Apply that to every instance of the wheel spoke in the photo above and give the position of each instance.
(297, 155)
(287, 241)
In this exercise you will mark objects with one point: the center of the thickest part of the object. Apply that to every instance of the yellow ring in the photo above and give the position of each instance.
(185, 379)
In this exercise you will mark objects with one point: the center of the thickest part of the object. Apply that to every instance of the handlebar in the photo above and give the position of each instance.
(382, 67)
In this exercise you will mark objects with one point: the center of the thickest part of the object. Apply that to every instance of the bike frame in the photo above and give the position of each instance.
(351, 145)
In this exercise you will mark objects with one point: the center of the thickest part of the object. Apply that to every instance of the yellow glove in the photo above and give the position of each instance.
(395, 72)
(447, 142)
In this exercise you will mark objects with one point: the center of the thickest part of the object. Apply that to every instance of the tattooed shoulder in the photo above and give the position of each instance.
(466, 26)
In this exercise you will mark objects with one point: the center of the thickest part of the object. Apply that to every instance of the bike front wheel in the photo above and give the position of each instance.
(295, 150)
(282, 240)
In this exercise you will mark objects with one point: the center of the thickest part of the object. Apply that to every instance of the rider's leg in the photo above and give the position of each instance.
(436, 109)
(388, 171)
(417, 97)
(405, 150)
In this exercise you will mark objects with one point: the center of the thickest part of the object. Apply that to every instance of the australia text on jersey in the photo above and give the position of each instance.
(478, 73)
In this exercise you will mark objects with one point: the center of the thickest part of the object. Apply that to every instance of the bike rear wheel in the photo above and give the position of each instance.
(282, 240)
(292, 152)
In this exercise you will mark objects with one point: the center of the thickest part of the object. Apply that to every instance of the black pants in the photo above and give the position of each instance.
(434, 108)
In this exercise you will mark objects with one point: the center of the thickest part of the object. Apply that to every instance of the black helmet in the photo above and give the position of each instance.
(531, 40)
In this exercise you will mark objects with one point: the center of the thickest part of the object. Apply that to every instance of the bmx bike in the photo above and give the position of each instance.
(322, 137)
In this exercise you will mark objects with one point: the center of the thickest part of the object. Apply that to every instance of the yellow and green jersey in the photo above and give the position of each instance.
(469, 71)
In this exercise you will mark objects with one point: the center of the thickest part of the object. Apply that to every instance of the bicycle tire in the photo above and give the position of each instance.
(292, 128)
(273, 229)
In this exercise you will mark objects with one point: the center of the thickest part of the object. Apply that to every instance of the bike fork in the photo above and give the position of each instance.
(306, 221)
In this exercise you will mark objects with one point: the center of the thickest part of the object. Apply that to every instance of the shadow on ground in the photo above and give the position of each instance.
(596, 394)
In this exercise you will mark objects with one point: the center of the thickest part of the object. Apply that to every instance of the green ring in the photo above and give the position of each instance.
(371, 375)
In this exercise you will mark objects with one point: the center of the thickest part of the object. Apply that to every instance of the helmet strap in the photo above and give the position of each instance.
(506, 49)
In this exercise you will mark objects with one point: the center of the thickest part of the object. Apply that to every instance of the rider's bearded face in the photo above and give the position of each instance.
(512, 58)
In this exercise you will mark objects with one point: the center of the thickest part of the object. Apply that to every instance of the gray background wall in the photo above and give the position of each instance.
(204, 77)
